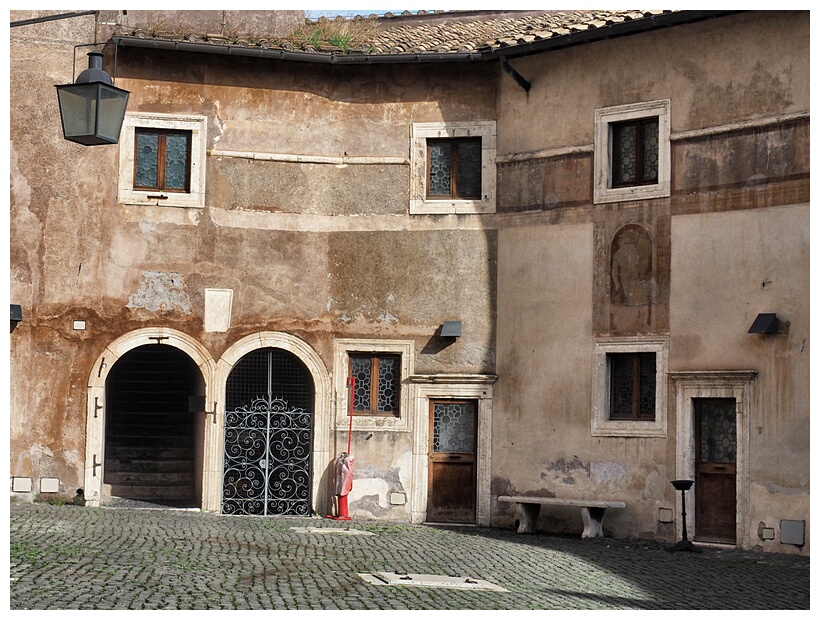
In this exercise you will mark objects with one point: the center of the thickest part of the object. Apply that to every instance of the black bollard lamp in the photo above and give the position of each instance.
(684, 544)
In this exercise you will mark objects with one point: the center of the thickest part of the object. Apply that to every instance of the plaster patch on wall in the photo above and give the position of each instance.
(776, 489)
(161, 291)
(370, 505)
(390, 476)
(655, 485)
(387, 317)
(566, 467)
(606, 473)
(37, 458)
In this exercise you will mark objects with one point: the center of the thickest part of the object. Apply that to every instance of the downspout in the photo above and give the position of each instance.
(519, 79)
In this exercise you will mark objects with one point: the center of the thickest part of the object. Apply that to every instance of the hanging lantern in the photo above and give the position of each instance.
(91, 109)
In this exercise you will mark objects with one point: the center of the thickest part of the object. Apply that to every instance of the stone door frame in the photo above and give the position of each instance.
(736, 384)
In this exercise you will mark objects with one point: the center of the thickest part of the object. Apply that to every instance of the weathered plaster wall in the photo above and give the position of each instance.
(369, 271)
(47, 255)
(719, 71)
(762, 258)
(737, 211)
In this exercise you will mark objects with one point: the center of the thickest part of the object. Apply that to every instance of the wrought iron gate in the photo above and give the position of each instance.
(266, 468)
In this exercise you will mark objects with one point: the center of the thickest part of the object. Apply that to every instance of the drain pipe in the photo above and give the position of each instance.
(519, 79)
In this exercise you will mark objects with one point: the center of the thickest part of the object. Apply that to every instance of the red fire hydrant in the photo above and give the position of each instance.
(344, 483)
(344, 467)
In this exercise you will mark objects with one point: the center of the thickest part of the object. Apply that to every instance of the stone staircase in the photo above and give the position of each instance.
(149, 447)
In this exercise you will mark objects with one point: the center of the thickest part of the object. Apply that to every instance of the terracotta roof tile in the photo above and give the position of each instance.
(423, 33)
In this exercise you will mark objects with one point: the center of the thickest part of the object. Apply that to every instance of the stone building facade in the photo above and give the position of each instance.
(600, 223)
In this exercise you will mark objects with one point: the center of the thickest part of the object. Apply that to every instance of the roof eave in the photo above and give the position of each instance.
(664, 20)
(611, 31)
(298, 56)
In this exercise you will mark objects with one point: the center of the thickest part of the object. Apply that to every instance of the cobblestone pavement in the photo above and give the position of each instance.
(69, 557)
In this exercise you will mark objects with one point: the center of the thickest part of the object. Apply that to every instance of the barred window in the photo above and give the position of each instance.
(378, 380)
(162, 160)
(631, 386)
(454, 168)
(635, 152)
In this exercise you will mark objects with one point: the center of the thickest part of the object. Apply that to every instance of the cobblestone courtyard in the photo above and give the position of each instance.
(68, 557)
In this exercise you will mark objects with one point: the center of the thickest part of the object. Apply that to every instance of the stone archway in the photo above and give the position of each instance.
(96, 404)
(212, 496)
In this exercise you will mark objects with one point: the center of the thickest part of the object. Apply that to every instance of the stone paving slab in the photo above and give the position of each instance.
(71, 557)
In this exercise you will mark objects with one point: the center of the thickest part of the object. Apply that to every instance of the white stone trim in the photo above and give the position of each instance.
(344, 160)
(197, 126)
(419, 132)
(602, 426)
(474, 387)
(604, 117)
(321, 415)
(96, 407)
(735, 384)
(342, 348)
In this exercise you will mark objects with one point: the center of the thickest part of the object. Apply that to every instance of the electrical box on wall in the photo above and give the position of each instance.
(792, 532)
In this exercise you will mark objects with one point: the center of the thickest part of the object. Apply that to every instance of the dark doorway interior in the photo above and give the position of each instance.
(150, 427)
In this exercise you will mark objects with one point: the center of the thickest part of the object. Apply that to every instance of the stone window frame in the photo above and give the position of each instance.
(342, 348)
(419, 133)
(601, 425)
(197, 125)
(604, 119)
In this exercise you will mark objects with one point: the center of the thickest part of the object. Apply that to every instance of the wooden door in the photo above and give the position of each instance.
(715, 470)
(451, 480)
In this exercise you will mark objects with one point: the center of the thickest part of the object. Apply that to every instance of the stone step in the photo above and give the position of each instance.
(156, 492)
(149, 465)
(155, 442)
(148, 478)
(143, 452)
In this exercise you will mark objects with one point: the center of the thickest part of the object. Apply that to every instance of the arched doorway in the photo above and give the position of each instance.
(152, 435)
(268, 435)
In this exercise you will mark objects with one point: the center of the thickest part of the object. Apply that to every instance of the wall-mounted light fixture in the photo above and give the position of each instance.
(91, 109)
(765, 323)
(451, 329)
(16, 315)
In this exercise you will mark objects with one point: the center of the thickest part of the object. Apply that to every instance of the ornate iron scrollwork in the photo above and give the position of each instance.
(267, 459)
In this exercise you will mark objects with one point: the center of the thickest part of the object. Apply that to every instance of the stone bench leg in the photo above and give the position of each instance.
(593, 522)
(528, 518)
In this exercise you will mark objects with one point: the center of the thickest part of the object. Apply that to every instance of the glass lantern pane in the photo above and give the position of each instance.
(113, 102)
(176, 161)
(146, 159)
(78, 109)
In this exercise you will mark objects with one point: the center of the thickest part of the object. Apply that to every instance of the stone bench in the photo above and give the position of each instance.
(592, 511)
